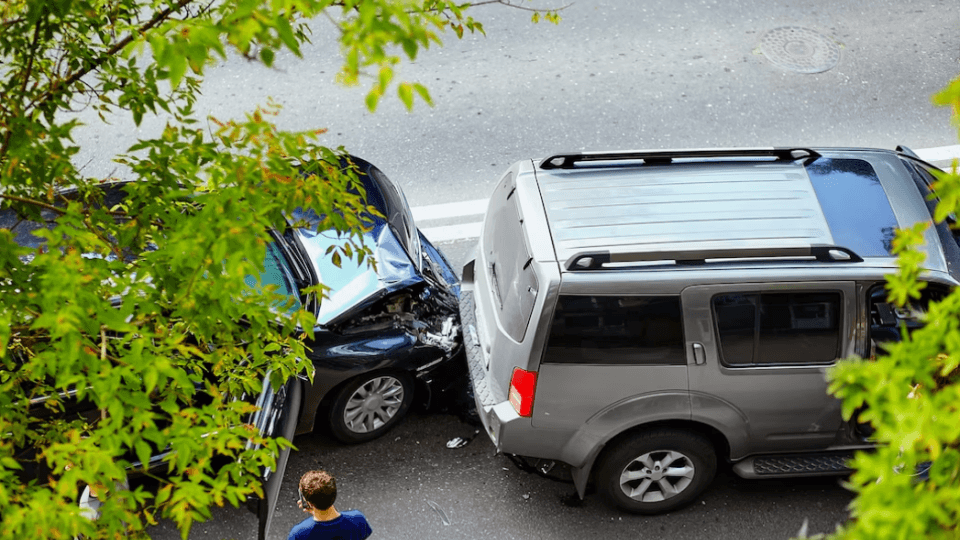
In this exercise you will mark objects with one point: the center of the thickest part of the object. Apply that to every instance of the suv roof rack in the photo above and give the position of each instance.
(567, 161)
(907, 151)
(822, 253)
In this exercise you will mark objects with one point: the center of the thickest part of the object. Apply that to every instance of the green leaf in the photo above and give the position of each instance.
(177, 66)
(373, 97)
(150, 379)
(266, 56)
(423, 93)
(10, 463)
(405, 93)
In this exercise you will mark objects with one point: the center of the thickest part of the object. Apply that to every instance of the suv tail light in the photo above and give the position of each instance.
(523, 385)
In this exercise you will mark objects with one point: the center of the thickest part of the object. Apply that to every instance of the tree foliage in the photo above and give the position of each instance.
(910, 486)
(143, 308)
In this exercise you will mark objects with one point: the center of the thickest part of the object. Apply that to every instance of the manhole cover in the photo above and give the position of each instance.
(799, 49)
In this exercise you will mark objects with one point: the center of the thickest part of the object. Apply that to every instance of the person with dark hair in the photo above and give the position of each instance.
(318, 491)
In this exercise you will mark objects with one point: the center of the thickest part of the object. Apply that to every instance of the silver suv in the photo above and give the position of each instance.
(641, 315)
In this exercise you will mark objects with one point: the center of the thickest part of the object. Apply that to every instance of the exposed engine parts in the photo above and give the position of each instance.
(418, 310)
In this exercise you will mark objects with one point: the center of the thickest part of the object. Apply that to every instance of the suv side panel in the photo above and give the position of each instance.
(768, 407)
(571, 395)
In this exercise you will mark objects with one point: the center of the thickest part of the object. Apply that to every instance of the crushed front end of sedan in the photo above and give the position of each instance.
(384, 331)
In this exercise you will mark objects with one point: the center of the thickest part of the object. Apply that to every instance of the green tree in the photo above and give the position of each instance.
(135, 307)
(911, 396)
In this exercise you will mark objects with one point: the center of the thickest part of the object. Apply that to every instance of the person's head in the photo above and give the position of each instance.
(319, 489)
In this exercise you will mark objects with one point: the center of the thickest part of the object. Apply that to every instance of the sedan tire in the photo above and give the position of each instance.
(656, 472)
(370, 405)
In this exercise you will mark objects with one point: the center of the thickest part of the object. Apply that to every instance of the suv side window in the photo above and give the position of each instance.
(768, 329)
(621, 330)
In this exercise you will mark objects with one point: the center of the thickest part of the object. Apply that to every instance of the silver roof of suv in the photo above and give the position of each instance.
(831, 204)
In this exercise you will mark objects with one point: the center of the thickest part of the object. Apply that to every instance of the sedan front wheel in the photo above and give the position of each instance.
(370, 405)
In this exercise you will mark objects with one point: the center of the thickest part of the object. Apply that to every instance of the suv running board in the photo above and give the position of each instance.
(786, 465)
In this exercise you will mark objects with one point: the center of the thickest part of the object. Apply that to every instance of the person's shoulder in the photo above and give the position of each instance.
(301, 529)
(358, 520)
(353, 514)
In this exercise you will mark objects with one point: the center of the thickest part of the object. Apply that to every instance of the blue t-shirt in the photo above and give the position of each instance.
(351, 525)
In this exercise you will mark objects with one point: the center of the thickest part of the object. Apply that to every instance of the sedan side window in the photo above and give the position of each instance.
(276, 274)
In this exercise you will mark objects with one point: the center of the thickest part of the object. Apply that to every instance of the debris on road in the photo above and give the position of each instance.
(439, 511)
(460, 442)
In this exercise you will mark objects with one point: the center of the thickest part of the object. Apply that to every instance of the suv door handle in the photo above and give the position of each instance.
(699, 354)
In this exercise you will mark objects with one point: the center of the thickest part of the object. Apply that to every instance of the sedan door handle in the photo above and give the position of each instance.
(699, 354)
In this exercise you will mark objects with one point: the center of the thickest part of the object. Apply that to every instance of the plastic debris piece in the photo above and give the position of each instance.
(460, 442)
(439, 511)
(457, 442)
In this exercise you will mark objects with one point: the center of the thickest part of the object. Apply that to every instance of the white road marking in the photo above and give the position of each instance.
(941, 155)
(475, 207)
(453, 233)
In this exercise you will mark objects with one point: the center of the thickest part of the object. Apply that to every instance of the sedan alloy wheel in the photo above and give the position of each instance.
(370, 405)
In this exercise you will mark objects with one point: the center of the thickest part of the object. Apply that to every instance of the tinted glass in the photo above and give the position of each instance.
(736, 316)
(778, 328)
(855, 205)
(616, 330)
(799, 328)
(23, 229)
(925, 179)
(276, 274)
(509, 262)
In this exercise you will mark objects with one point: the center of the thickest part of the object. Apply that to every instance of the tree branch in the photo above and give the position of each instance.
(23, 86)
(515, 6)
(33, 202)
(158, 18)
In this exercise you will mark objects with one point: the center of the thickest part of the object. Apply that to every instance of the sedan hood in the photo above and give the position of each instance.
(393, 238)
(354, 287)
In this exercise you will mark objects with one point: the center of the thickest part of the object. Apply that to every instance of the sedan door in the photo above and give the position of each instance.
(277, 414)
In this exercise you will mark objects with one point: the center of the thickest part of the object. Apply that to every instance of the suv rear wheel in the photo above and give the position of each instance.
(655, 472)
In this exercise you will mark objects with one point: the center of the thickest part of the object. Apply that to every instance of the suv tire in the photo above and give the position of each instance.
(656, 472)
(370, 405)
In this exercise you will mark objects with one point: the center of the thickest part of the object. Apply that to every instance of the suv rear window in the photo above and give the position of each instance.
(513, 280)
(778, 328)
(616, 330)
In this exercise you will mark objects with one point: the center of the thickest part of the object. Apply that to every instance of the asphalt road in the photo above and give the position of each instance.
(397, 480)
(615, 74)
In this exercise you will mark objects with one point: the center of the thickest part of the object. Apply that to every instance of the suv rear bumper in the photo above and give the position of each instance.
(509, 432)
(489, 406)
(500, 420)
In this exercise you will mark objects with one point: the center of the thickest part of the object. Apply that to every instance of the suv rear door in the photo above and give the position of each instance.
(759, 358)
